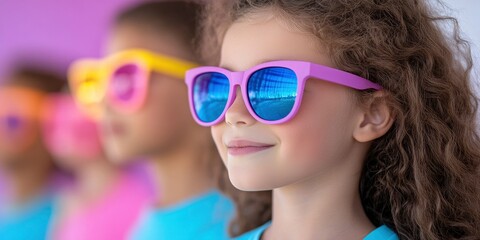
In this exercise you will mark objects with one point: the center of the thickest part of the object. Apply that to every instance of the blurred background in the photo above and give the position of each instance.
(53, 30)
(466, 11)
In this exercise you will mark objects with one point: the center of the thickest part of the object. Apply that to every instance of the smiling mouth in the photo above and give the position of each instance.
(238, 148)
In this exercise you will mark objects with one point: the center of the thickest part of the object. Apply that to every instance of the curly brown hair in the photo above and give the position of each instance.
(422, 177)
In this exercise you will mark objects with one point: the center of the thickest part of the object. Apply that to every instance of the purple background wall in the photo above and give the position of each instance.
(56, 30)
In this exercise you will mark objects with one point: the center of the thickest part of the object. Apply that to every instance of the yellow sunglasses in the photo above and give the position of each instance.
(122, 78)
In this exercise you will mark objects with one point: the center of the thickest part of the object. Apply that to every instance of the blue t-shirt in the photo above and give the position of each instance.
(29, 221)
(381, 233)
(203, 217)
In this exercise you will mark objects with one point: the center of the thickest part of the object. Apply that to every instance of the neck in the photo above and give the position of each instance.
(28, 181)
(95, 178)
(327, 206)
(181, 174)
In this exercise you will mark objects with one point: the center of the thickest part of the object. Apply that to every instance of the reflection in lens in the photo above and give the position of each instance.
(272, 92)
(210, 95)
(124, 82)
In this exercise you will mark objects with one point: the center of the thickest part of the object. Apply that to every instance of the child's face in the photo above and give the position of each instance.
(70, 136)
(316, 142)
(20, 134)
(163, 121)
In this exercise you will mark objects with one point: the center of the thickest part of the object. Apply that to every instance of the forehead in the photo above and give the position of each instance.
(131, 36)
(260, 37)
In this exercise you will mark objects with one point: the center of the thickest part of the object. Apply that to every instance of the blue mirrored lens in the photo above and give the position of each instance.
(272, 92)
(210, 95)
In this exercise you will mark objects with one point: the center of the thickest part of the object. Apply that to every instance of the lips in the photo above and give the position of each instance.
(244, 147)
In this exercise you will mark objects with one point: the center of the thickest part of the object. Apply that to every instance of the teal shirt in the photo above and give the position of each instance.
(381, 233)
(29, 221)
(203, 217)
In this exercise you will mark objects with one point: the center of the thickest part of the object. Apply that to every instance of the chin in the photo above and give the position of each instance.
(250, 182)
(118, 155)
(121, 161)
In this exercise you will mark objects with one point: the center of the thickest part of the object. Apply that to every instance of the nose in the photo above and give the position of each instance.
(237, 114)
(105, 107)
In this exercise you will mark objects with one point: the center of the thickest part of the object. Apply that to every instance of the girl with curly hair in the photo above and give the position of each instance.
(346, 119)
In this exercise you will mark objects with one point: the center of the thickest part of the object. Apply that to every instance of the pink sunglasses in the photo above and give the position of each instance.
(272, 91)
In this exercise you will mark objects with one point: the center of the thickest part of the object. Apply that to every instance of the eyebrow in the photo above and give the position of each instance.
(256, 63)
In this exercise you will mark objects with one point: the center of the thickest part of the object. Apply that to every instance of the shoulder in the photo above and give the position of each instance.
(254, 234)
(382, 233)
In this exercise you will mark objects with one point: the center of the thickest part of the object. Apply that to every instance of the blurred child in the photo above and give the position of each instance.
(356, 116)
(104, 201)
(144, 114)
(25, 164)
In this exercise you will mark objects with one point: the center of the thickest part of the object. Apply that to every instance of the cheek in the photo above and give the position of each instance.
(165, 117)
(158, 113)
(217, 133)
(309, 145)
(167, 102)
(146, 126)
(316, 140)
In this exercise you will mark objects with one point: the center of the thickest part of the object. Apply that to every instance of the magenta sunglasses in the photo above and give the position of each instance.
(272, 91)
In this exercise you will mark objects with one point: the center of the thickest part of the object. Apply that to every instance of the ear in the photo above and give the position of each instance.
(375, 120)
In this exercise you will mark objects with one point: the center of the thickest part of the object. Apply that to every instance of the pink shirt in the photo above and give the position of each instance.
(111, 217)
